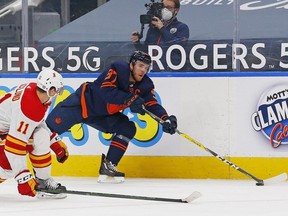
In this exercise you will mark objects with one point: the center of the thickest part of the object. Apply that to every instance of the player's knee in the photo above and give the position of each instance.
(127, 129)
(132, 128)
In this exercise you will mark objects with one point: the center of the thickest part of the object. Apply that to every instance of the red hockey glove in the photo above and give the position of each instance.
(59, 148)
(26, 183)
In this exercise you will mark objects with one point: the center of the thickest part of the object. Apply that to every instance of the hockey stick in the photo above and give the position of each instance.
(260, 182)
(195, 195)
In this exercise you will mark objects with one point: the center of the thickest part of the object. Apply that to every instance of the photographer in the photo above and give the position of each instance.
(164, 31)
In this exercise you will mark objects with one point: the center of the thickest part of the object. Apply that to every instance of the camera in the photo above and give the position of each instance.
(154, 9)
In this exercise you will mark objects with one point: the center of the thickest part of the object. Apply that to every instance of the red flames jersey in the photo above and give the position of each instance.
(21, 111)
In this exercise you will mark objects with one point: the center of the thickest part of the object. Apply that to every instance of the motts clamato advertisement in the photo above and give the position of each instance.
(271, 117)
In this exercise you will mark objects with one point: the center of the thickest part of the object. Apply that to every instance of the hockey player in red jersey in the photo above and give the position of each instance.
(22, 113)
(99, 105)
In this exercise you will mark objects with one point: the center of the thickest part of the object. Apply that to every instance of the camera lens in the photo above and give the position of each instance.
(145, 19)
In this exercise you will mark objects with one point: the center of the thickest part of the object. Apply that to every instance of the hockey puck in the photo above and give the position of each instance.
(260, 184)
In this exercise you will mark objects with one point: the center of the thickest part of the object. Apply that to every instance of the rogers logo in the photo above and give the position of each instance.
(271, 117)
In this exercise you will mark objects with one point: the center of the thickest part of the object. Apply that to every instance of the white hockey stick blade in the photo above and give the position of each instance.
(195, 195)
(44, 195)
(276, 179)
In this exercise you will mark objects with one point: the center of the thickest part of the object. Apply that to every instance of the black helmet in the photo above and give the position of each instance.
(140, 56)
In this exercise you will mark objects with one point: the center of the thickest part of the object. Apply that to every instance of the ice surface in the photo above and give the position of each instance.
(219, 197)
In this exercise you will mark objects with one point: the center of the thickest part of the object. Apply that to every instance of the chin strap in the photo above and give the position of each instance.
(50, 98)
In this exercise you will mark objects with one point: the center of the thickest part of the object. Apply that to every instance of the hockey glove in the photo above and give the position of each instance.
(26, 183)
(59, 148)
(137, 106)
(170, 124)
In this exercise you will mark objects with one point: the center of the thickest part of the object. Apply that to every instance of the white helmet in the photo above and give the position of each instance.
(49, 78)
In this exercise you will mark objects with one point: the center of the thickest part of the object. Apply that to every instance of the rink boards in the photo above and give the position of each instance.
(241, 116)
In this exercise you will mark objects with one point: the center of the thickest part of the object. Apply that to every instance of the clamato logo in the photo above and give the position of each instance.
(271, 117)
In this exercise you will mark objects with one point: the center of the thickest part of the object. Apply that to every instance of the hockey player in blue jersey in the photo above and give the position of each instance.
(99, 105)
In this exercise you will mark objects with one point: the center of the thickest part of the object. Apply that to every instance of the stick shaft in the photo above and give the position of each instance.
(205, 148)
(219, 157)
(87, 193)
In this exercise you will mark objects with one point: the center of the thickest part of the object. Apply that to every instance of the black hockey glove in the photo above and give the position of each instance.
(137, 106)
(170, 124)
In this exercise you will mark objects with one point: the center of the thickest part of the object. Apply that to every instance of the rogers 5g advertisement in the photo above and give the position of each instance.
(224, 35)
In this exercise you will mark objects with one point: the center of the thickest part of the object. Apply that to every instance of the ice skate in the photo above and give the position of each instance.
(108, 172)
(50, 189)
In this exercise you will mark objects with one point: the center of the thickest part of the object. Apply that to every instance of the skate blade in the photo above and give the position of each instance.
(109, 179)
(44, 195)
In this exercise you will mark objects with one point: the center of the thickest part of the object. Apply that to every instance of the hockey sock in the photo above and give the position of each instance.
(117, 148)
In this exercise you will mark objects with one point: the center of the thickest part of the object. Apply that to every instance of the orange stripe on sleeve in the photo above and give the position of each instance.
(83, 102)
(151, 103)
(107, 84)
(163, 116)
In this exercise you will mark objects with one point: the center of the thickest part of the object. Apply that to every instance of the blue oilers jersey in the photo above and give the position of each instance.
(109, 93)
